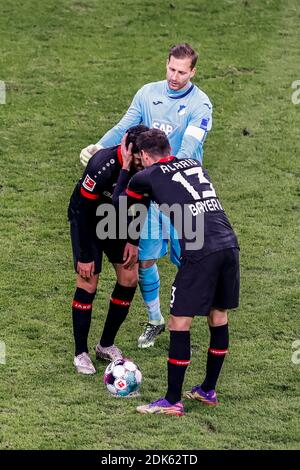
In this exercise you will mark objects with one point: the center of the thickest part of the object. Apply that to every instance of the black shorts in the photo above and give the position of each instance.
(114, 249)
(212, 282)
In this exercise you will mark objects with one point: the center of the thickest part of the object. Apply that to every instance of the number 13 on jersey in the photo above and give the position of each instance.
(194, 189)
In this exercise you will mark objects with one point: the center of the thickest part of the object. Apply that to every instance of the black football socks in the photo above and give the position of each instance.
(82, 314)
(219, 342)
(118, 309)
(178, 361)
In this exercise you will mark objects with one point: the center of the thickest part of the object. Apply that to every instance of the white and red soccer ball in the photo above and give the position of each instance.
(122, 378)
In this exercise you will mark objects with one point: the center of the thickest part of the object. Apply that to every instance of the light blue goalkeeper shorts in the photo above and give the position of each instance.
(157, 231)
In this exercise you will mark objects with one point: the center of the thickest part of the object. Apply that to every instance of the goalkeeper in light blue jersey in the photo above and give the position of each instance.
(184, 113)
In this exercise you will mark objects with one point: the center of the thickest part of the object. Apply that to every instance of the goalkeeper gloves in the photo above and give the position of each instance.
(88, 152)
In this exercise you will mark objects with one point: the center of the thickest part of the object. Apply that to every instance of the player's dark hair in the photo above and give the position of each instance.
(132, 135)
(183, 51)
(154, 142)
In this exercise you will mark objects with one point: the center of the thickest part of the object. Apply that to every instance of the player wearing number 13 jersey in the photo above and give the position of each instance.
(207, 282)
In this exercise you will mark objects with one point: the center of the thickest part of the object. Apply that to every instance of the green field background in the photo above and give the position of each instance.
(71, 69)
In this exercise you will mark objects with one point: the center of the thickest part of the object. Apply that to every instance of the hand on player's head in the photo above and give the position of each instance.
(126, 153)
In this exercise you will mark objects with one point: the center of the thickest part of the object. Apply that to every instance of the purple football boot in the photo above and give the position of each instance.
(208, 398)
(162, 406)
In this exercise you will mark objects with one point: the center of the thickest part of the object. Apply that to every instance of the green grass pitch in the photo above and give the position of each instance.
(70, 69)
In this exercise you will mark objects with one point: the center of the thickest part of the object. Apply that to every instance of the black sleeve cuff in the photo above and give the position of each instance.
(123, 180)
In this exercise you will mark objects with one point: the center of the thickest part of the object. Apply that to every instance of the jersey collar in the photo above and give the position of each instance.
(119, 155)
(178, 95)
(165, 159)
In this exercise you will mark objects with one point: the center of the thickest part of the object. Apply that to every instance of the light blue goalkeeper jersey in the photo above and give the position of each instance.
(185, 117)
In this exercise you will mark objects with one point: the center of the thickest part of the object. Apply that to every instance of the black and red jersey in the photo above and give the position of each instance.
(95, 187)
(99, 178)
(184, 192)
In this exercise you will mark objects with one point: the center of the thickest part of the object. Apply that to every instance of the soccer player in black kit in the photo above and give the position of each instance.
(93, 189)
(207, 282)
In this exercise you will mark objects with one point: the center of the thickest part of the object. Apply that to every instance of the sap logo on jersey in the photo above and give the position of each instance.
(166, 127)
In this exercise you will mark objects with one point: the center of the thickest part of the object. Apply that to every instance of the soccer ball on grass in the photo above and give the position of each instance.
(123, 378)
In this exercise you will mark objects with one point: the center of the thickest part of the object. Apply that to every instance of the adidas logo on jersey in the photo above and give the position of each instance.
(166, 127)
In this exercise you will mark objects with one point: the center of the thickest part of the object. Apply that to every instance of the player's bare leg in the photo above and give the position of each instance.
(120, 301)
(217, 317)
(128, 278)
(149, 285)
